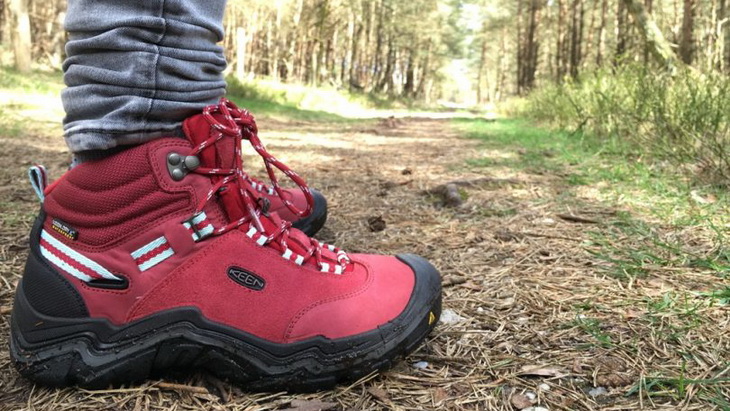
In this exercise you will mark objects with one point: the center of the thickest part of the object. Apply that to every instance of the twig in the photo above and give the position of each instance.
(182, 387)
(577, 219)
(555, 237)
(453, 281)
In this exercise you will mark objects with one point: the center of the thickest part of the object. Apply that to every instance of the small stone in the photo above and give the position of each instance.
(535, 409)
(598, 391)
(548, 221)
(531, 395)
(450, 317)
(544, 387)
(480, 309)
(421, 365)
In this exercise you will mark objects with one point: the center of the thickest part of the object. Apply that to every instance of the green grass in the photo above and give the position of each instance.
(682, 119)
(657, 224)
(37, 82)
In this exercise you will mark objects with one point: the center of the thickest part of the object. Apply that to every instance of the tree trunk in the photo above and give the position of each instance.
(21, 35)
(240, 53)
(602, 34)
(576, 38)
(658, 45)
(686, 45)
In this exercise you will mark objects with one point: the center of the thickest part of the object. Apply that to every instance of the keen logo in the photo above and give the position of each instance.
(64, 229)
(246, 279)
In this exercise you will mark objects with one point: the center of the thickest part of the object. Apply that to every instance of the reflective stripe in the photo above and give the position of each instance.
(149, 247)
(156, 260)
(64, 265)
(86, 262)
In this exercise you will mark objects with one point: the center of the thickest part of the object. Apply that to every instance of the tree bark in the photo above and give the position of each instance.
(687, 45)
(659, 47)
(21, 35)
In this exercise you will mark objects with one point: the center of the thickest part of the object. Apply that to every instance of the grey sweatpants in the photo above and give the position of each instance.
(137, 68)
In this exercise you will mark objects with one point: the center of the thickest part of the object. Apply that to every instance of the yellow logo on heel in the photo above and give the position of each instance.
(431, 318)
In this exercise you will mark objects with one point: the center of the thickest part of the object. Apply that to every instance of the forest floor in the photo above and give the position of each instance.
(574, 278)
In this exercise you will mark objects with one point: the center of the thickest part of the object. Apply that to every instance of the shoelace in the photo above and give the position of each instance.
(239, 124)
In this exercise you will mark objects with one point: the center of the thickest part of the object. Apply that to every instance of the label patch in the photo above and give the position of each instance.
(246, 279)
(64, 229)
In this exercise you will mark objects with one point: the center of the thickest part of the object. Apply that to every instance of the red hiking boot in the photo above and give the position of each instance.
(163, 257)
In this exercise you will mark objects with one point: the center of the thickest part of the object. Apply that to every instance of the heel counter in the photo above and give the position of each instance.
(47, 291)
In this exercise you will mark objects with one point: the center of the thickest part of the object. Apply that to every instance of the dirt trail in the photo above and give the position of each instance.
(514, 273)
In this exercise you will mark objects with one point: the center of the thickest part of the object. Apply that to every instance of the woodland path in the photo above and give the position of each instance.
(530, 317)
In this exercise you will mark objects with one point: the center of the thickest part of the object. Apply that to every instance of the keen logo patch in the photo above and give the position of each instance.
(246, 279)
(64, 229)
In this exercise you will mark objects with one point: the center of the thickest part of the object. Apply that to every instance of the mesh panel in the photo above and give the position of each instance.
(111, 199)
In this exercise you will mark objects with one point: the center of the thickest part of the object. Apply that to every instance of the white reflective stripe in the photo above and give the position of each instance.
(331, 248)
(149, 247)
(338, 269)
(207, 230)
(156, 260)
(199, 219)
(262, 240)
(287, 254)
(252, 231)
(299, 260)
(92, 265)
(272, 191)
(64, 265)
(325, 268)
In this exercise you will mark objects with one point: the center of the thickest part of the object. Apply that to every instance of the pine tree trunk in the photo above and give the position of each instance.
(686, 45)
(658, 45)
(602, 34)
(21, 35)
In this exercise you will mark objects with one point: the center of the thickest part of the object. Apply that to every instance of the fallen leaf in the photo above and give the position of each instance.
(378, 393)
(533, 371)
(439, 395)
(577, 366)
(471, 286)
(310, 405)
(520, 401)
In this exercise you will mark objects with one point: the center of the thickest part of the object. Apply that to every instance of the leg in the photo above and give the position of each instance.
(136, 69)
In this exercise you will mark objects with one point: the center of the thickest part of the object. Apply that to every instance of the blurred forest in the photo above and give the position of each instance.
(415, 49)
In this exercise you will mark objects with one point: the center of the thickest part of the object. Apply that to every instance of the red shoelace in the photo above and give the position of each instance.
(240, 125)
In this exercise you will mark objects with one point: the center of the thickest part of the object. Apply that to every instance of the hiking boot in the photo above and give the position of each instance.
(165, 258)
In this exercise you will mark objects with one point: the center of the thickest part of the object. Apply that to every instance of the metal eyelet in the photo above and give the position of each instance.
(179, 166)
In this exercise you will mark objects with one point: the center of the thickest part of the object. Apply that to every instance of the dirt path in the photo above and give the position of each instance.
(530, 319)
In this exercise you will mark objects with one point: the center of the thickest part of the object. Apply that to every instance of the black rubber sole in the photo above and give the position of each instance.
(314, 222)
(94, 353)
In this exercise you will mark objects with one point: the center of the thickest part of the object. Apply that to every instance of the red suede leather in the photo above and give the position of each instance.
(197, 130)
(131, 208)
(286, 309)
